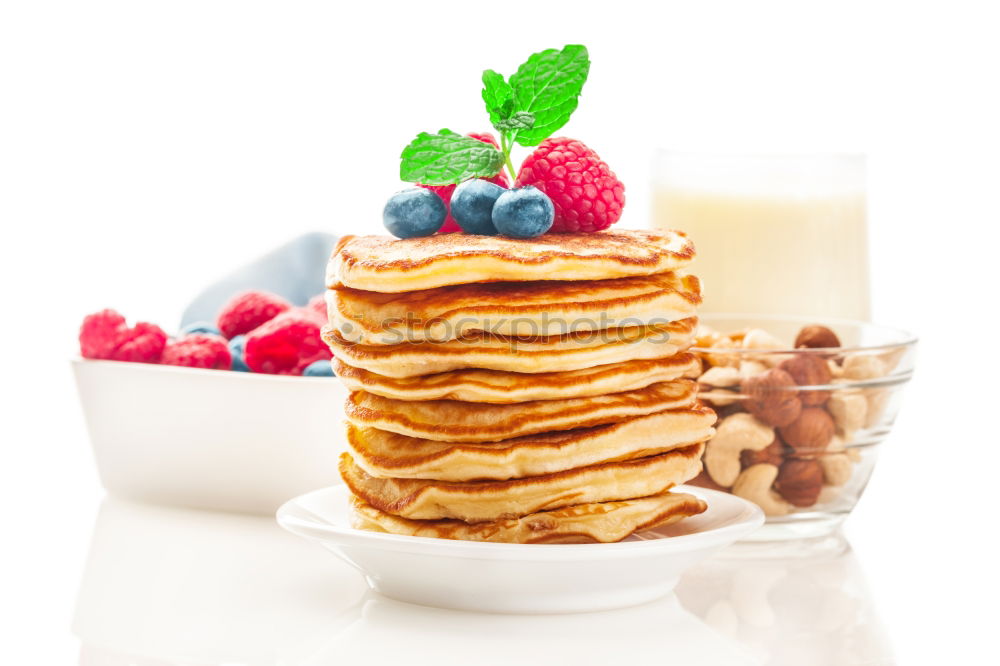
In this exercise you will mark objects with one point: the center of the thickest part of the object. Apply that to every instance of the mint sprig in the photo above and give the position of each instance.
(526, 109)
(446, 158)
(549, 85)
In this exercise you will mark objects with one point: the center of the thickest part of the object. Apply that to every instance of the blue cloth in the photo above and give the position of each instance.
(294, 271)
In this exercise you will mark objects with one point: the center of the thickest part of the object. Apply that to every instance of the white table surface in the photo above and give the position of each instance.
(102, 581)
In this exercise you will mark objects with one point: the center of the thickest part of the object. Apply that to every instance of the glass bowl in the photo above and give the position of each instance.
(799, 426)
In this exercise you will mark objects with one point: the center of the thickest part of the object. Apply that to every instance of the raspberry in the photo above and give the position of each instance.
(445, 191)
(586, 193)
(285, 345)
(245, 312)
(198, 350)
(143, 343)
(99, 334)
(104, 335)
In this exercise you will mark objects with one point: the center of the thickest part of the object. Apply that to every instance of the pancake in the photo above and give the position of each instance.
(511, 308)
(388, 454)
(478, 501)
(386, 264)
(455, 421)
(603, 522)
(495, 386)
(557, 353)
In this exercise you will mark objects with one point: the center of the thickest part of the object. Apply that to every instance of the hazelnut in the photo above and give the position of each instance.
(809, 370)
(800, 481)
(817, 337)
(772, 455)
(809, 435)
(772, 397)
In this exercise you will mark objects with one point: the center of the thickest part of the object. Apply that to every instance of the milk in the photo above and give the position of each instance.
(779, 235)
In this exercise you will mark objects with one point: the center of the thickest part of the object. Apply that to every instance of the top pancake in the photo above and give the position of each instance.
(386, 264)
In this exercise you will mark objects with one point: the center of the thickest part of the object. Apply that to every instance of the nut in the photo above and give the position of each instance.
(772, 454)
(837, 468)
(719, 397)
(754, 484)
(772, 397)
(863, 366)
(810, 434)
(800, 481)
(849, 409)
(758, 338)
(817, 337)
(734, 434)
(878, 400)
(750, 368)
(828, 494)
(721, 376)
(809, 370)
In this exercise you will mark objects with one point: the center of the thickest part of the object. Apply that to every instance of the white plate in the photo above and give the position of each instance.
(514, 578)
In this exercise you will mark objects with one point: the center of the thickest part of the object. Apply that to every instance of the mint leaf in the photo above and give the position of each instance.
(446, 158)
(548, 85)
(518, 121)
(498, 95)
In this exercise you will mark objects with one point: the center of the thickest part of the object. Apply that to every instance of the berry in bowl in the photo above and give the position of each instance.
(229, 415)
(803, 407)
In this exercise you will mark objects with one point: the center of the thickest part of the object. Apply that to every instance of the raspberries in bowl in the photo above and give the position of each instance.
(255, 331)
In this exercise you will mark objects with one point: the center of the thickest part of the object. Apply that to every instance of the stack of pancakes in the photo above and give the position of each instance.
(526, 391)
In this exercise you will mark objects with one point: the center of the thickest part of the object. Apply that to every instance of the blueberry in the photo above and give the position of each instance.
(200, 327)
(318, 369)
(523, 213)
(236, 350)
(472, 206)
(414, 212)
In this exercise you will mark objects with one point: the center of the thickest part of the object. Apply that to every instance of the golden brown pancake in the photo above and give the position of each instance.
(388, 454)
(386, 264)
(496, 386)
(456, 421)
(478, 501)
(557, 353)
(511, 308)
(602, 522)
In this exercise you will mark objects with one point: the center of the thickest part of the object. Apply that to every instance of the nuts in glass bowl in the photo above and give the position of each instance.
(802, 408)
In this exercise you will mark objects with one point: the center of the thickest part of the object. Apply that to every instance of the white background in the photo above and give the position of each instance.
(148, 147)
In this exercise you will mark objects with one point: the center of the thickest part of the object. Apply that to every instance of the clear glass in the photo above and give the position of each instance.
(824, 466)
(775, 234)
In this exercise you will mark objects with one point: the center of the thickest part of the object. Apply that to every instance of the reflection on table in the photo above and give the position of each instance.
(790, 605)
(178, 587)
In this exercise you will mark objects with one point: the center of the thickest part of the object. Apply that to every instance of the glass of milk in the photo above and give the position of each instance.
(776, 234)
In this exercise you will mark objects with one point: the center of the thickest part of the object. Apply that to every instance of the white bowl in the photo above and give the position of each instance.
(515, 578)
(213, 439)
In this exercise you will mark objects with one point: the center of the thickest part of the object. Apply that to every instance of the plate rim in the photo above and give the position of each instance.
(746, 517)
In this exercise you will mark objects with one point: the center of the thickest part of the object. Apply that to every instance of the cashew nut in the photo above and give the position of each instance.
(751, 368)
(878, 400)
(849, 410)
(864, 366)
(721, 376)
(734, 434)
(837, 468)
(758, 338)
(754, 484)
(720, 397)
